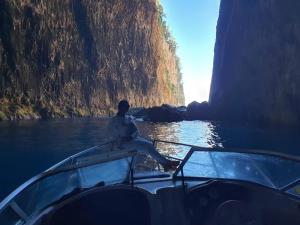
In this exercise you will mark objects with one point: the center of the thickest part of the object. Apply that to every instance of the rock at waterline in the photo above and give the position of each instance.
(164, 113)
(168, 113)
(199, 111)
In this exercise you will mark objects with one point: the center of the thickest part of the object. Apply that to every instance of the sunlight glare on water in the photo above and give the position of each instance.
(199, 133)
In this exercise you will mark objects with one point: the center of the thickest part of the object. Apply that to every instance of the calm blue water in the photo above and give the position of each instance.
(29, 147)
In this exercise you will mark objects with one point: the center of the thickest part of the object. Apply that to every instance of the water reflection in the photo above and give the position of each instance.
(213, 138)
(285, 140)
(162, 131)
(198, 133)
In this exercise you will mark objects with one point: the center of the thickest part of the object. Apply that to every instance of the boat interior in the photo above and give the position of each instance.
(208, 203)
(210, 187)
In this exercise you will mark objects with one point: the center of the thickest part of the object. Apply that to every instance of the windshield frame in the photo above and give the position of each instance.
(193, 149)
(54, 170)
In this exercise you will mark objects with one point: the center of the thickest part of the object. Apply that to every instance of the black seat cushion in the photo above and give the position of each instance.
(105, 207)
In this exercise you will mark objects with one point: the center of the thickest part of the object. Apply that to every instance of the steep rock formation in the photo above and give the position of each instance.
(256, 75)
(80, 57)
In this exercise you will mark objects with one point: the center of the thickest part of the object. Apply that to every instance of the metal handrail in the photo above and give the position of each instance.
(290, 185)
(175, 143)
(74, 156)
(236, 150)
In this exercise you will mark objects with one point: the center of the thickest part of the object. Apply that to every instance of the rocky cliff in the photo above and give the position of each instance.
(63, 58)
(256, 75)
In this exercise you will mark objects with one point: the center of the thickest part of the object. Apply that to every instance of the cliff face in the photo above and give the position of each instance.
(80, 57)
(256, 74)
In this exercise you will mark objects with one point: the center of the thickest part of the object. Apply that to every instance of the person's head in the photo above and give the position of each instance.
(123, 107)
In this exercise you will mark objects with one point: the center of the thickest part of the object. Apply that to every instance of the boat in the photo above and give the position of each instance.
(212, 186)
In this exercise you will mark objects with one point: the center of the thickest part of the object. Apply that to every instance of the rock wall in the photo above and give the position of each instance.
(256, 75)
(64, 58)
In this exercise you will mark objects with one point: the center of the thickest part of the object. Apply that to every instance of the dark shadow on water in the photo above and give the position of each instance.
(250, 137)
(29, 147)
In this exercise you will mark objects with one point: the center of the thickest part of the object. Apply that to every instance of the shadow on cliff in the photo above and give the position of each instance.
(85, 32)
(5, 31)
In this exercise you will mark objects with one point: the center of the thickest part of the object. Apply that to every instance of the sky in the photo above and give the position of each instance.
(193, 25)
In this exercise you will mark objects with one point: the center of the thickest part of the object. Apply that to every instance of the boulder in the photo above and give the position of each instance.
(164, 113)
(199, 111)
(169, 113)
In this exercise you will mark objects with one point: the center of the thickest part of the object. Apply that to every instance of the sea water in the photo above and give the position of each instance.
(30, 147)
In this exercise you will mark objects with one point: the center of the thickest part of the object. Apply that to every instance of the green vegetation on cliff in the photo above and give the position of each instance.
(166, 30)
(79, 58)
(171, 42)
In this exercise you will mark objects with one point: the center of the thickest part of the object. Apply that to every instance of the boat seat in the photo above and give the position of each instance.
(281, 216)
(172, 203)
(113, 206)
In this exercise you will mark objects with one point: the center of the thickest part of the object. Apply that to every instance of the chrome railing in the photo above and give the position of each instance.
(235, 150)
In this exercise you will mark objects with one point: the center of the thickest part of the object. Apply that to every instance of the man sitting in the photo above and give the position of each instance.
(124, 132)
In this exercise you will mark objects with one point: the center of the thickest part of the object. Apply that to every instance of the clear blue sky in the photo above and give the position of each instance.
(193, 24)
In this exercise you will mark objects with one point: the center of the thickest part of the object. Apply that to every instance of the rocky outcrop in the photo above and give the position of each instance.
(168, 113)
(80, 57)
(256, 75)
(164, 113)
(199, 111)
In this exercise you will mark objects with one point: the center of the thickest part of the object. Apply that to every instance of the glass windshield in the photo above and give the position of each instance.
(267, 170)
(52, 188)
(97, 166)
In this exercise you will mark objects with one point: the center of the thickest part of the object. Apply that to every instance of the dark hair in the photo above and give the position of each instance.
(123, 105)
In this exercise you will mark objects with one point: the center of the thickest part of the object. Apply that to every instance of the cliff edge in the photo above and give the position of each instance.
(256, 75)
(80, 57)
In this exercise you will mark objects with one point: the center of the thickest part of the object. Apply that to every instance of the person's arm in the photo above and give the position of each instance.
(132, 131)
